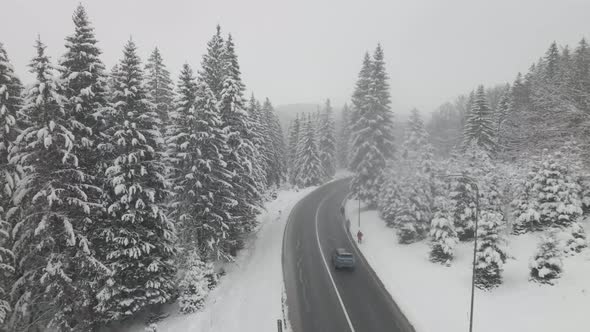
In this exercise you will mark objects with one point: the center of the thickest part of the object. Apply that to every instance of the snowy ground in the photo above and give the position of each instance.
(435, 298)
(248, 298)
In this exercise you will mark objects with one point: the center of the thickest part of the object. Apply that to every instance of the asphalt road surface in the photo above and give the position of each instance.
(320, 298)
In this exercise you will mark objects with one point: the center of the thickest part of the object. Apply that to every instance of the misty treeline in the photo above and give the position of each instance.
(514, 156)
(121, 188)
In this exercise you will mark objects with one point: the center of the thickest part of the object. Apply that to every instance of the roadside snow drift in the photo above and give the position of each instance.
(436, 298)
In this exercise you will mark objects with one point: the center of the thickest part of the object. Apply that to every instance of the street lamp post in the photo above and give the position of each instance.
(473, 183)
(359, 212)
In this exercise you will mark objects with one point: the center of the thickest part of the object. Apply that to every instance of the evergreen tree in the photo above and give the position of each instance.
(276, 170)
(195, 284)
(551, 63)
(442, 232)
(547, 263)
(138, 237)
(415, 178)
(503, 111)
(159, 85)
(259, 133)
(294, 134)
(390, 195)
(525, 206)
(184, 153)
(576, 239)
(557, 193)
(52, 247)
(309, 164)
(479, 128)
(327, 142)
(10, 121)
(239, 159)
(372, 132)
(343, 147)
(491, 251)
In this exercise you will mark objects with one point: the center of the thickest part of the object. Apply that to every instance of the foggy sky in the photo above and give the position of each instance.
(304, 51)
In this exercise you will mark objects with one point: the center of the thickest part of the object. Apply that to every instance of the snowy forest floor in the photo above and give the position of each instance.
(248, 298)
(435, 298)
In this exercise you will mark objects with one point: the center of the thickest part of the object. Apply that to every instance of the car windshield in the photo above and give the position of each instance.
(346, 255)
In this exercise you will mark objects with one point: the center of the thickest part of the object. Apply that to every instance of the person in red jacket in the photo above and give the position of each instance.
(359, 236)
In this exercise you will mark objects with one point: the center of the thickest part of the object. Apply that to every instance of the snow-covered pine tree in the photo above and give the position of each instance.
(442, 231)
(327, 142)
(276, 171)
(557, 192)
(183, 154)
(195, 283)
(389, 195)
(52, 244)
(259, 133)
(372, 128)
(239, 160)
(462, 196)
(310, 168)
(479, 128)
(502, 114)
(576, 238)
(138, 238)
(10, 121)
(343, 147)
(159, 85)
(547, 263)
(294, 132)
(212, 180)
(525, 206)
(416, 182)
(491, 250)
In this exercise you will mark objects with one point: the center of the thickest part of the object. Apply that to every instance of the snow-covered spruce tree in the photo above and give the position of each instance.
(212, 180)
(195, 283)
(547, 263)
(576, 239)
(462, 196)
(479, 126)
(276, 171)
(183, 155)
(294, 132)
(343, 147)
(138, 238)
(557, 193)
(259, 133)
(327, 142)
(389, 195)
(159, 85)
(525, 206)
(240, 162)
(442, 232)
(491, 250)
(502, 114)
(371, 127)
(309, 164)
(85, 87)
(416, 183)
(52, 247)
(10, 121)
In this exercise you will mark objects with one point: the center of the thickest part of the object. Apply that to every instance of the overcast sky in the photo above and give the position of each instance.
(304, 51)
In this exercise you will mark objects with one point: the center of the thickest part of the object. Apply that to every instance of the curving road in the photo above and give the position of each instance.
(319, 298)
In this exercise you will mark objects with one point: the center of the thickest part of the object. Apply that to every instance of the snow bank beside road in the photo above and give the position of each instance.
(248, 298)
(435, 298)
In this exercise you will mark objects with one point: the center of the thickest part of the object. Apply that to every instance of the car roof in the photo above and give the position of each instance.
(341, 251)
